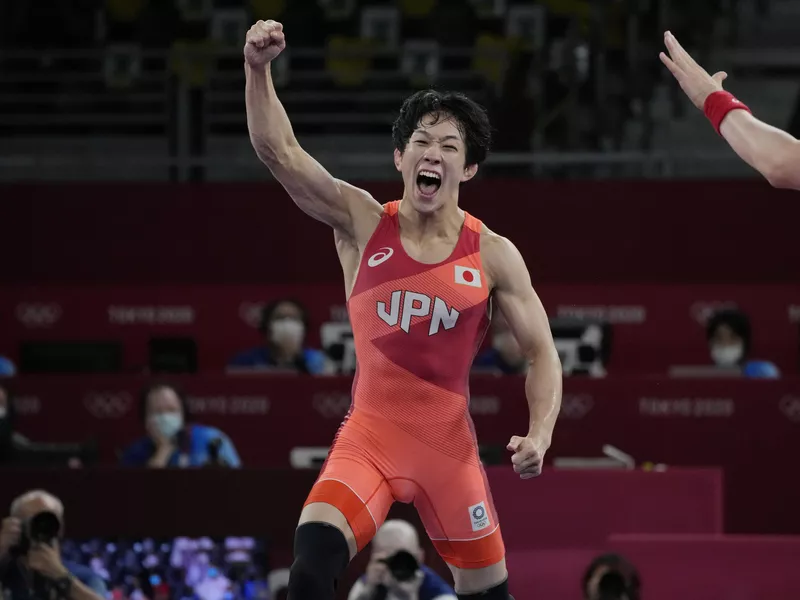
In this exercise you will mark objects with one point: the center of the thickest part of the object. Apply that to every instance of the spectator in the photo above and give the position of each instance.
(170, 441)
(611, 577)
(396, 570)
(7, 368)
(505, 356)
(19, 555)
(10, 440)
(729, 339)
(284, 324)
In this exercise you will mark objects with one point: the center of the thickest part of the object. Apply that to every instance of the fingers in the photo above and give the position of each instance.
(525, 462)
(676, 51)
(673, 68)
(263, 33)
(514, 443)
(719, 77)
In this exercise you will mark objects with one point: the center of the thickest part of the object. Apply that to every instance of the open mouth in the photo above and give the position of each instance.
(428, 183)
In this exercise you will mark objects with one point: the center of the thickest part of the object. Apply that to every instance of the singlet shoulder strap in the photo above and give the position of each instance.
(472, 223)
(391, 208)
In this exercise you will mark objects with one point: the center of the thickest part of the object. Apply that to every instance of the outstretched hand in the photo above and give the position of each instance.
(693, 79)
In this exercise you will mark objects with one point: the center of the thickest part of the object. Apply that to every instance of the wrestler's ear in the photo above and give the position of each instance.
(469, 172)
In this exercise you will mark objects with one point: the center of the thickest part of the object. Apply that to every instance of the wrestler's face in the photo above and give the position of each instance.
(433, 163)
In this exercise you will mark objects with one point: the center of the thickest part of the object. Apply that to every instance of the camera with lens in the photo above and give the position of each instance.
(613, 586)
(611, 577)
(402, 565)
(41, 528)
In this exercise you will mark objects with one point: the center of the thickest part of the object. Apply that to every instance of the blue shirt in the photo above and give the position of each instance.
(193, 452)
(14, 581)
(432, 586)
(492, 359)
(311, 361)
(760, 369)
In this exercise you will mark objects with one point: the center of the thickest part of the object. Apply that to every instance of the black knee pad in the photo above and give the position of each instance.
(498, 592)
(321, 555)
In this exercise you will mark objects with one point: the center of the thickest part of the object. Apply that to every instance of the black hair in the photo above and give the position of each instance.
(158, 385)
(614, 562)
(269, 311)
(471, 119)
(736, 320)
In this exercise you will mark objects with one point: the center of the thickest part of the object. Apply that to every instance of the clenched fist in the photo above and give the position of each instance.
(264, 42)
(528, 456)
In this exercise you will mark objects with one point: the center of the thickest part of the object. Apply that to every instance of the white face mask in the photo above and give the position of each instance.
(727, 356)
(287, 331)
(169, 424)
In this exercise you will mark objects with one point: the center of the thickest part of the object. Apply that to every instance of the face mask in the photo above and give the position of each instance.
(287, 331)
(169, 423)
(727, 356)
(3, 412)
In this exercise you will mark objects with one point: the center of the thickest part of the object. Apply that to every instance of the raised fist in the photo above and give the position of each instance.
(264, 42)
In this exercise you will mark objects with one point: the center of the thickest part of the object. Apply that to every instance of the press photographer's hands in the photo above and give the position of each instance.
(406, 590)
(45, 560)
(10, 535)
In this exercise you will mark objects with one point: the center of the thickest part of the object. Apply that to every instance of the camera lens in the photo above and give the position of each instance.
(44, 527)
(402, 565)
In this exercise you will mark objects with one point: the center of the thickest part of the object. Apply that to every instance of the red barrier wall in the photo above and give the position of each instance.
(750, 428)
(670, 567)
(655, 326)
(586, 232)
(570, 509)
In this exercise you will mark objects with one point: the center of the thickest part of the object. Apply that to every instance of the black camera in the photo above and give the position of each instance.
(612, 586)
(402, 565)
(41, 528)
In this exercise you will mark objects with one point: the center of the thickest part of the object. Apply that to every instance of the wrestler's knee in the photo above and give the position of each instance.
(322, 512)
(487, 583)
(321, 555)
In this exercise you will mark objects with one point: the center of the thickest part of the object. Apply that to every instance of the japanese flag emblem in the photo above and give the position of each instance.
(467, 276)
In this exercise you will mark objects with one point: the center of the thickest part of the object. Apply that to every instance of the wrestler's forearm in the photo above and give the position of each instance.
(772, 152)
(543, 390)
(271, 131)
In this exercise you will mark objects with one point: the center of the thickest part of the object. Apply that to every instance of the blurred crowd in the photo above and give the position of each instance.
(545, 69)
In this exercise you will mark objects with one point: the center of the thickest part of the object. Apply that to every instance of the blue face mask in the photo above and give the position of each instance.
(169, 424)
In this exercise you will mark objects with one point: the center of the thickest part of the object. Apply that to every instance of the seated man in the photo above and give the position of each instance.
(395, 569)
(284, 324)
(170, 442)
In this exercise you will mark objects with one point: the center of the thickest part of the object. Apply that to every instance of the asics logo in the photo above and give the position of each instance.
(380, 257)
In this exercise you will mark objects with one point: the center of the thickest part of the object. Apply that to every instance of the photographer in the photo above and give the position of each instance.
(395, 570)
(30, 557)
(611, 577)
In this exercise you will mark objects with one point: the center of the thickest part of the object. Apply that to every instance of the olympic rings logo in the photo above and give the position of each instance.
(105, 405)
(702, 311)
(250, 313)
(576, 406)
(38, 315)
(333, 405)
(790, 407)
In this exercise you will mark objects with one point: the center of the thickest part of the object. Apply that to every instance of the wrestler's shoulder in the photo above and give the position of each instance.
(494, 245)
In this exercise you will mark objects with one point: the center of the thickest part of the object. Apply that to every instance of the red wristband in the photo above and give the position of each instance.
(719, 104)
